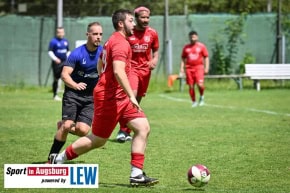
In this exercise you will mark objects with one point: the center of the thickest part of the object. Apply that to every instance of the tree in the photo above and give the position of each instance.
(80, 8)
(224, 55)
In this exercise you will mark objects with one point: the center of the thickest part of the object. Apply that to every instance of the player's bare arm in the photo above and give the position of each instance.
(53, 57)
(153, 63)
(206, 65)
(65, 76)
(121, 76)
(183, 61)
(100, 66)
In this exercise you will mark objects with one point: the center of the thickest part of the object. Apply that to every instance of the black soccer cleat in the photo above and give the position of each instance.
(143, 180)
(52, 158)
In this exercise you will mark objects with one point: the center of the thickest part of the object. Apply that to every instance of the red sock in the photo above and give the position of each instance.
(201, 90)
(70, 154)
(192, 94)
(137, 160)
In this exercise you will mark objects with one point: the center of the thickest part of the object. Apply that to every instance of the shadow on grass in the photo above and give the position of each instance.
(111, 185)
(67, 162)
(116, 141)
(194, 189)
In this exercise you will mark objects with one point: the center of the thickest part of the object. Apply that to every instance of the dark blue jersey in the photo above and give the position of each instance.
(84, 64)
(59, 47)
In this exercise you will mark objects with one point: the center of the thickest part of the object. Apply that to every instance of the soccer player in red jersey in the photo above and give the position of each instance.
(195, 63)
(145, 44)
(114, 101)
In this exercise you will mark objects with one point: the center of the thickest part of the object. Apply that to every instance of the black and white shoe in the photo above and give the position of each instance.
(143, 180)
(52, 158)
(121, 137)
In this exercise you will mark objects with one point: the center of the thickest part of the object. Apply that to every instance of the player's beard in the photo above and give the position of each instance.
(142, 25)
(128, 31)
(193, 41)
(96, 44)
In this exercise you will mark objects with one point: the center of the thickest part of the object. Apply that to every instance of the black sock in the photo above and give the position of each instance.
(56, 146)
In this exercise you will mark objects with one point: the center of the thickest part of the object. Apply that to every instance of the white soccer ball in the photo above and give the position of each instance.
(198, 175)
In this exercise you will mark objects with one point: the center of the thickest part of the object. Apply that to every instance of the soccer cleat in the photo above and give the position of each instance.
(128, 137)
(52, 159)
(56, 98)
(201, 102)
(121, 137)
(194, 104)
(143, 180)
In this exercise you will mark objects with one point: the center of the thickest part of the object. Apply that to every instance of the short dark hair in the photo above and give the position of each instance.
(192, 33)
(91, 24)
(120, 15)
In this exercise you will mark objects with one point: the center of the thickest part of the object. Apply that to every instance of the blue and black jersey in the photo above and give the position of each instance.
(84, 63)
(59, 47)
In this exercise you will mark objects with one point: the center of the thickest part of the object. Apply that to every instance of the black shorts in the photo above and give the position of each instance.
(77, 107)
(57, 69)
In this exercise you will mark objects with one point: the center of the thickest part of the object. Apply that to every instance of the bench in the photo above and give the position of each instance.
(259, 72)
(238, 78)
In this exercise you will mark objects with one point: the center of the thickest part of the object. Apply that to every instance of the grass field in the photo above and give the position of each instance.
(243, 137)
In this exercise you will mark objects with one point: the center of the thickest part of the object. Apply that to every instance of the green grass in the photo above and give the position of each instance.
(241, 136)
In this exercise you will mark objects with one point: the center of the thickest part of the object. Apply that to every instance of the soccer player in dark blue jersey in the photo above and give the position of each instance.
(80, 75)
(58, 50)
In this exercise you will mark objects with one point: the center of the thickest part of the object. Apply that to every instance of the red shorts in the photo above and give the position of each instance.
(108, 113)
(139, 80)
(195, 75)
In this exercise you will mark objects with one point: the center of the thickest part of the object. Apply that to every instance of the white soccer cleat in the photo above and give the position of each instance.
(201, 103)
(56, 98)
(194, 104)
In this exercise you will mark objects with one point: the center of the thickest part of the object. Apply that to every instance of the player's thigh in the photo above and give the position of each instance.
(139, 125)
(190, 77)
(85, 110)
(69, 107)
(105, 118)
(199, 76)
(134, 80)
(134, 119)
(144, 83)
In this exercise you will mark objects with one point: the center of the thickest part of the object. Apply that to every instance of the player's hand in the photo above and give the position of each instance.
(81, 86)
(181, 74)
(135, 104)
(152, 64)
(206, 71)
(57, 61)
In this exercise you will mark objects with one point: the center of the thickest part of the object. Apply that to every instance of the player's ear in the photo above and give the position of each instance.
(121, 24)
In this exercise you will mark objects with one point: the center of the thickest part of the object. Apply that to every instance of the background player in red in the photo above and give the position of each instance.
(114, 101)
(145, 44)
(195, 63)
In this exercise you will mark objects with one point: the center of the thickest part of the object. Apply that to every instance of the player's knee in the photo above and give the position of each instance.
(69, 126)
(81, 131)
(143, 129)
(99, 142)
(201, 85)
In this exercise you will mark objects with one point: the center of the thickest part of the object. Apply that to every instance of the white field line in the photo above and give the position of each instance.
(227, 107)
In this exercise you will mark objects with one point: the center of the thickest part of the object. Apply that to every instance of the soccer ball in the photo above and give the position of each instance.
(198, 175)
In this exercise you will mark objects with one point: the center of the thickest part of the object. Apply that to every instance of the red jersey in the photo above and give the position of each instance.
(194, 54)
(142, 44)
(116, 48)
